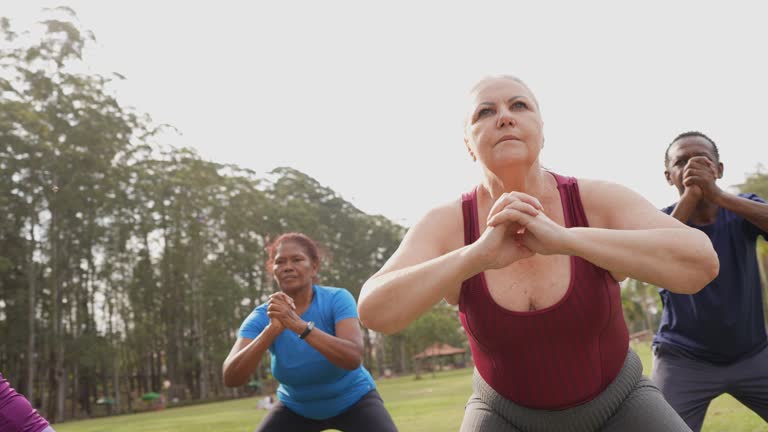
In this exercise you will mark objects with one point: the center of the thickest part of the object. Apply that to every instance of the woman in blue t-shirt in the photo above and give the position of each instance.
(317, 361)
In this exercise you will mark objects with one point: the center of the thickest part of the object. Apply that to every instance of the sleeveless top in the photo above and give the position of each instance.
(556, 357)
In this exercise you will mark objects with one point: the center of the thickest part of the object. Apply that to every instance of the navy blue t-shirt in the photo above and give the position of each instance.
(723, 322)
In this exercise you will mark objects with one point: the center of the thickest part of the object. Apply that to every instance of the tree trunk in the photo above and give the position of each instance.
(402, 354)
(199, 320)
(32, 291)
(367, 350)
(379, 354)
(762, 260)
(58, 337)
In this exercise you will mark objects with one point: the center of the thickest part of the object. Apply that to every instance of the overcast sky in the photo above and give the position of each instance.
(368, 97)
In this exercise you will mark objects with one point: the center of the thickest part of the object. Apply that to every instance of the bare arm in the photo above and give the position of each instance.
(246, 355)
(627, 236)
(687, 204)
(753, 211)
(650, 255)
(427, 267)
(702, 174)
(420, 273)
(641, 242)
(344, 350)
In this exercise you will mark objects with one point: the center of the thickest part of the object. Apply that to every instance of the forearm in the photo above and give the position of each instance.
(341, 352)
(684, 209)
(753, 211)
(390, 301)
(239, 367)
(680, 260)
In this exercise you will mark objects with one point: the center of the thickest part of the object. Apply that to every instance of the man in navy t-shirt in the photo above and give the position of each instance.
(714, 341)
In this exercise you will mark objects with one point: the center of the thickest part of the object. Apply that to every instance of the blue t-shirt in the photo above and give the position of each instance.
(310, 385)
(723, 322)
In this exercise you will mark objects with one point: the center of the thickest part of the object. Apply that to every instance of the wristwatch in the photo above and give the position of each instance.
(310, 326)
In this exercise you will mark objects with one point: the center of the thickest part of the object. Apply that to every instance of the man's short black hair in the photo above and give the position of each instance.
(688, 135)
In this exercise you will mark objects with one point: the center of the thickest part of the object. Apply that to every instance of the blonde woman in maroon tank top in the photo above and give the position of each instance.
(533, 260)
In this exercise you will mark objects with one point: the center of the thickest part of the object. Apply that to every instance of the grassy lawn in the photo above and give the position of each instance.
(429, 404)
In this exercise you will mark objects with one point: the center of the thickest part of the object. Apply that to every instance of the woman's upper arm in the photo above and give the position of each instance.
(346, 321)
(423, 241)
(435, 234)
(612, 206)
(240, 343)
(349, 329)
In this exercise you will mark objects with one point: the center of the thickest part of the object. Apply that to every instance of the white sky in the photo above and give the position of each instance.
(368, 98)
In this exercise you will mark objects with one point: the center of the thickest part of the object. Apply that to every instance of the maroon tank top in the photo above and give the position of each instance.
(553, 358)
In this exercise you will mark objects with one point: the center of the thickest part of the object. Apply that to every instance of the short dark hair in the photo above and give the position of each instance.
(689, 134)
(303, 240)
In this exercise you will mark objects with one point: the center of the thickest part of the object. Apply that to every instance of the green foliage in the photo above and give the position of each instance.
(439, 325)
(641, 304)
(756, 182)
(135, 262)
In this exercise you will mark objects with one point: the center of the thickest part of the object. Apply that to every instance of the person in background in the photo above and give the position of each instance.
(714, 341)
(313, 335)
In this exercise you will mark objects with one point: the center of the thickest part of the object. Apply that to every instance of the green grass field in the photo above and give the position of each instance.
(429, 404)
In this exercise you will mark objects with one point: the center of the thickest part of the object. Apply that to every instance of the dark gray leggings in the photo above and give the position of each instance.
(367, 415)
(690, 385)
(631, 403)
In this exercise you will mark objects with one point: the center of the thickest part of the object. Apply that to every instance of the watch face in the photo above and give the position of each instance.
(310, 326)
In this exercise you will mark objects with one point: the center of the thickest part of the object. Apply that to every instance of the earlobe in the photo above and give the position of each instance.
(666, 176)
(720, 170)
(469, 149)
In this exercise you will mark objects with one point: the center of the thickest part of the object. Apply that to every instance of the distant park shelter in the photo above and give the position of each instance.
(438, 351)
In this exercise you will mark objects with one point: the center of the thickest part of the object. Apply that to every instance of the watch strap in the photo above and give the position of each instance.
(310, 326)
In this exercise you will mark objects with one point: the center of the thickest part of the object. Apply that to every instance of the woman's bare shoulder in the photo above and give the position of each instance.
(600, 192)
(610, 205)
(443, 224)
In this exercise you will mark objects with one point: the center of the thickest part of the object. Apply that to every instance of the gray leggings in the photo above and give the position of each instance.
(631, 403)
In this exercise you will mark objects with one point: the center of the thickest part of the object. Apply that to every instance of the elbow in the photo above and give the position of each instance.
(367, 317)
(709, 269)
(703, 271)
(231, 382)
(373, 321)
(385, 328)
(709, 266)
(353, 363)
(367, 314)
(376, 317)
(228, 377)
(353, 358)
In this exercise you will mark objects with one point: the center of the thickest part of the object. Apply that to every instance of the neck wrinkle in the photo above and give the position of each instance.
(303, 298)
(533, 182)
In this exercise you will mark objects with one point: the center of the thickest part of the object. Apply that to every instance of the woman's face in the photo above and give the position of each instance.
(292, 268)
(504, 126)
